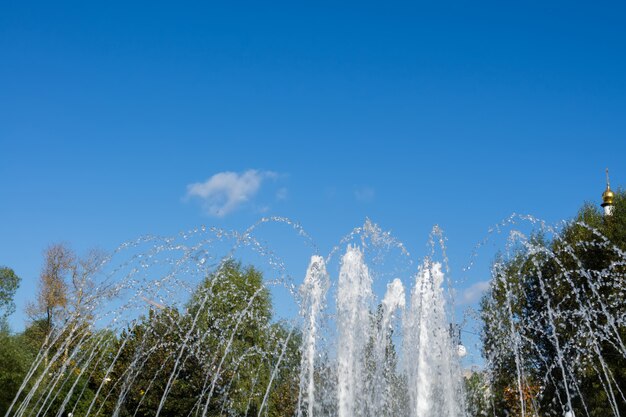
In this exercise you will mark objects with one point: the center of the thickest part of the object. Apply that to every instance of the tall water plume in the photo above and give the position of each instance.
(434, 373)
(390, 360)
(313, 298)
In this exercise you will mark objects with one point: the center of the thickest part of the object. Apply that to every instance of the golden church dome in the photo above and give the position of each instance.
(607, 195)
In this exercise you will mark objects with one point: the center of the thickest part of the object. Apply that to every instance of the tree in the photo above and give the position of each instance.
(57, 340)
(16, 356)
(66, 288)
(9, 282)
(253, 360)
(555, 320)
(148, 352)
(221, 356)
(52, 286)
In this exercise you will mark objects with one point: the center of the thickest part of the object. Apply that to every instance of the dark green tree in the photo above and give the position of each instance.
(16, 356)
(555, 319)
(254, 360)
(222, 355)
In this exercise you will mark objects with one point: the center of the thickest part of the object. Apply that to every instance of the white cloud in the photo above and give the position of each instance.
(364, 194)
(226, 191)
(472, 294)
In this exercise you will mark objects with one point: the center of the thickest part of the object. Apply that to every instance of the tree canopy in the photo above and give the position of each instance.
(555, 319)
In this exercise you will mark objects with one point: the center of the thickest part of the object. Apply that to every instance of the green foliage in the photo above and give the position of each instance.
(9, 282)
(477, 398)
(16, 356)
(219, 355)
(147, 356)
(56, 380)
(561, 295)
(232, 311)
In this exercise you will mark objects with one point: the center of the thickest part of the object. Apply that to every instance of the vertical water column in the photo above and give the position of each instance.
(354, 298)
(382, 401)
(313, 292)
(432, 366)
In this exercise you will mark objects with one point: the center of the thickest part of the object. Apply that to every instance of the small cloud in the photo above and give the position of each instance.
(282, 194)
(226, 191)
(364, 194)
(472, 294)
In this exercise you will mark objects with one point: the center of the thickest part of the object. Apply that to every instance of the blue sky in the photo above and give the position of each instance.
(412, 114)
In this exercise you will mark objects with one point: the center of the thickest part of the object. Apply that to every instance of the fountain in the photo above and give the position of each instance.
(369, 381)
(177, 326)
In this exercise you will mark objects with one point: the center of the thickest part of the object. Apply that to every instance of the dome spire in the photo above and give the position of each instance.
(607, 197)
